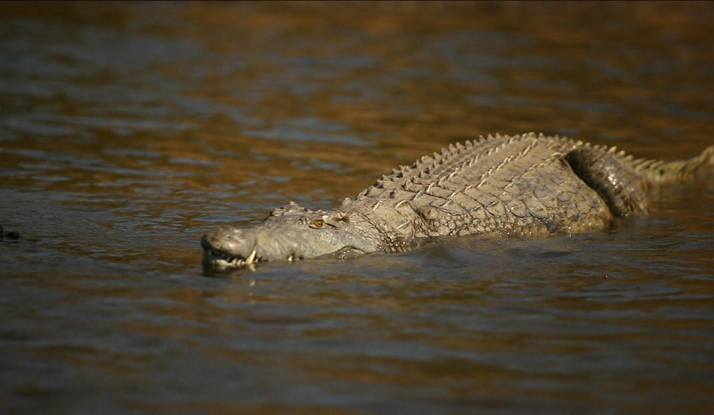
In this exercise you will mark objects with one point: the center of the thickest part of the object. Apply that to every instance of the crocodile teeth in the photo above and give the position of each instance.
(250, 259)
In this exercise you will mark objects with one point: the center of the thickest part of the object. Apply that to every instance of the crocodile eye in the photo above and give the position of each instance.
(317, 223)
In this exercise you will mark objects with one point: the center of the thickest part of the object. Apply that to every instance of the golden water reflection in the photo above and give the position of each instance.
(128, 130)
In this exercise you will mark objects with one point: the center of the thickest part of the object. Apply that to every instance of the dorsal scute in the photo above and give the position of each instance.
(495, 159)
(485, 160)
(290, 208)
(459, 163)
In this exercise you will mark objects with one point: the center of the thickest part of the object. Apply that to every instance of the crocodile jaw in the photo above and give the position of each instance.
(227, 247)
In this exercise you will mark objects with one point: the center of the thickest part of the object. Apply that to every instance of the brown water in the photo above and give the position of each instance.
(127, 131)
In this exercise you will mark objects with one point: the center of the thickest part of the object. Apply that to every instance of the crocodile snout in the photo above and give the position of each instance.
(229, 240)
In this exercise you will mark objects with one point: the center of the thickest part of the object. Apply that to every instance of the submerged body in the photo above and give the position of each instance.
(524, 185)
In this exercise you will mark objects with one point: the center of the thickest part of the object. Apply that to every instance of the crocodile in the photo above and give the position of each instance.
(524, 185)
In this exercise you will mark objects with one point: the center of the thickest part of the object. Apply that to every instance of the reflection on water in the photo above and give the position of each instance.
(126, 131)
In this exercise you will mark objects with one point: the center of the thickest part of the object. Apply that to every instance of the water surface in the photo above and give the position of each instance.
(127, 131)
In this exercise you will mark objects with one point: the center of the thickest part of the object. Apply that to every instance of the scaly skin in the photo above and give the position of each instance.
(525, 185)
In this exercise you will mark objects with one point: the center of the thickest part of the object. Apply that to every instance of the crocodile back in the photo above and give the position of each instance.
(519, 185)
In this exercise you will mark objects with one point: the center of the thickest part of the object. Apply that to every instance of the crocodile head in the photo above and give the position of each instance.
(290, 233)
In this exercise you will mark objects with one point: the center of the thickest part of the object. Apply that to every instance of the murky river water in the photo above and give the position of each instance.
(127, 131)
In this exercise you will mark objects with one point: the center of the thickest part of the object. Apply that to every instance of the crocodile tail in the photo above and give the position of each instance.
(657, 172)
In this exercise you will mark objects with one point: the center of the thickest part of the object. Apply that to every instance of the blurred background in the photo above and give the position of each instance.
(129, 129)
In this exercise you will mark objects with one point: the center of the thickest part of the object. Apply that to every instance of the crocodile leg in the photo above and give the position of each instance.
(617, 186)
